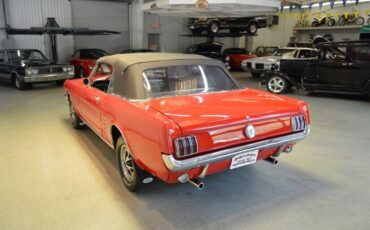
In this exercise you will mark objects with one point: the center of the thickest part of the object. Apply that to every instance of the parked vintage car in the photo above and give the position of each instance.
(211, 50)
(262, 51)
(137, 51)
(26, 66)
(342, 67)
(180, 117)
(84, 60)
(248, 25)
(262, 65)
(237, 55)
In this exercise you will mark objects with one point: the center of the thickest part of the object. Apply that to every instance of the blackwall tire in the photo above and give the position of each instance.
(315, 24)
(20, 84)
(74, 118)
(360, 21)
(252, 28)
(131, 174)
(276, 84)
(341, 21)
(331, 22)
(368, 21)
(214, 27)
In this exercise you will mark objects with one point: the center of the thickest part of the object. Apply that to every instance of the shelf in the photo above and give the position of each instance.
(327, 28)
(221, 35)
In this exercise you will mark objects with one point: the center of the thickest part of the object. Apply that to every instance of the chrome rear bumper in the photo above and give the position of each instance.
(181, 165)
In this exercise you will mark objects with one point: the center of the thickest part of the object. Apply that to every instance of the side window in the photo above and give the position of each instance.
(334, 54)
(100, 78)
(3, 57)
(76, 54)
(305, 54)
(360, 55)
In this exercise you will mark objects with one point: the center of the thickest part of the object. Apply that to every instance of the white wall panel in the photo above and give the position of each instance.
(107, 15)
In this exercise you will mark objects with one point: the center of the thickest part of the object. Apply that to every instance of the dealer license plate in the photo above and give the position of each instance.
(244, 159)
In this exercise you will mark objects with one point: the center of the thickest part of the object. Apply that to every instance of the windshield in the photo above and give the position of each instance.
(281, 52)
(93, 54)
(33, 55)
(185, 80)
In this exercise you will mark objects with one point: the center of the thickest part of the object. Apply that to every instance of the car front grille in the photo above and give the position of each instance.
(259, 66)
(49, 70)
(298, 123)
(249, 65)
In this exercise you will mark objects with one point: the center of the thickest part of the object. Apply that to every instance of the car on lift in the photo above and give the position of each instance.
(84, 60)
(211, 50)
(248, 25)
(23, 67)
(237, 56)
(181, 117)
(342, 67)
(262, 65)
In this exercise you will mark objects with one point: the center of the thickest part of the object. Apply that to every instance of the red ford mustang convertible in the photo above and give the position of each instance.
(180, 117)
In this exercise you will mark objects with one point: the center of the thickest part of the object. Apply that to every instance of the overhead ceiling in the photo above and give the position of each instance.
(216, 8)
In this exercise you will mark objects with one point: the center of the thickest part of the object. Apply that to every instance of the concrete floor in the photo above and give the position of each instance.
(54, 177)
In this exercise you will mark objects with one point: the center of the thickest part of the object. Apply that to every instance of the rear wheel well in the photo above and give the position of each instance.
(115, 135)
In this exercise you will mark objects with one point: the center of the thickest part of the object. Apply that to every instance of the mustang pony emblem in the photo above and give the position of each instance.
(250, 131)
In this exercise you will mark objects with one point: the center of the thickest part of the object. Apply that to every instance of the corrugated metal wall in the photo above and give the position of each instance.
(108, 15)
(170, 28)
(31, 13)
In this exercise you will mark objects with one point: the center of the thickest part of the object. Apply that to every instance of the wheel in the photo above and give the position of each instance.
(214, 27)
(75, 119)
(255, 75)
(331, 22)
(276, 84)
(20, 84)
(368, 21)
(131, 174)
(60, 82)
(315, 24)
(252, 28)
(359, 21)
(341, 21)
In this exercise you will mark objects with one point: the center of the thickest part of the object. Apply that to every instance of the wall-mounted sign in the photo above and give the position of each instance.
(201, 4)
(156, 25)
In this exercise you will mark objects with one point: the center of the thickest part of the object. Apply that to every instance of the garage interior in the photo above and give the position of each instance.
(53, 176)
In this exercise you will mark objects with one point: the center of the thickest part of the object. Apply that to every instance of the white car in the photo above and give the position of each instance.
(258, 66)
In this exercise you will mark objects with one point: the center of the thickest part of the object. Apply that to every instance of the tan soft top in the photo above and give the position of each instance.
(126, 60)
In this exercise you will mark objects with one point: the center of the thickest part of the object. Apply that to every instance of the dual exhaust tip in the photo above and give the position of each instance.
(195, 182)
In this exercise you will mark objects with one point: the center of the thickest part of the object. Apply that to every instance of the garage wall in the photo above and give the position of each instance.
(31, 13)
(169, 30)
(277, 35)
(107, 15)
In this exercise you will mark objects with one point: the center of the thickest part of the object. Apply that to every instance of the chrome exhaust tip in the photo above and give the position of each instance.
(271, 160)
(197, 183)
(288, 150)
(183, 178)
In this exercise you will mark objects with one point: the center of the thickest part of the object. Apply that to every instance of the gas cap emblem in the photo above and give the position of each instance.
(250, 131)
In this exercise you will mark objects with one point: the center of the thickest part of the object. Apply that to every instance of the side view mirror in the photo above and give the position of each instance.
(85, 81)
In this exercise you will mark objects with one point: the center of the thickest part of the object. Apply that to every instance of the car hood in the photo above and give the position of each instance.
(29, 63)
(266, 59)
(196, 112)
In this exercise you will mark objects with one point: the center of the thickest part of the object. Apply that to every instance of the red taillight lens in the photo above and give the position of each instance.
(186, 146)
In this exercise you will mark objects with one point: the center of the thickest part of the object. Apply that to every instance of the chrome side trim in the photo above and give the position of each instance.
(181, 165)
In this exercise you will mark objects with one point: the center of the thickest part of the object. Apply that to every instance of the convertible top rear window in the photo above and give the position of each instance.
(185, 80)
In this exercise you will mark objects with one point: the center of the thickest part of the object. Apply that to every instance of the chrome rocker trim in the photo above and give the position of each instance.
(181, 165)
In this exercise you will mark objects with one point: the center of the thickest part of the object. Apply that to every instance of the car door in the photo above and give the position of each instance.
(332, 69)
(4, 65)
(359, 67)
(93, 97)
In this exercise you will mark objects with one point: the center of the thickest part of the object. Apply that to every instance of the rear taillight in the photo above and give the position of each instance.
(298, 123)
(186, 146)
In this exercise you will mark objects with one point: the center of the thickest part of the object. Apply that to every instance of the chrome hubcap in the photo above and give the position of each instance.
(214, 27)
(127, 164)
(253, 28)
(276, 84)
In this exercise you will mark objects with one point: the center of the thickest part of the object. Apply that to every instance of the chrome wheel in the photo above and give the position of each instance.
(17, 83)
(253, 28)
(215, 27)
(127, 165)
(276, 85)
